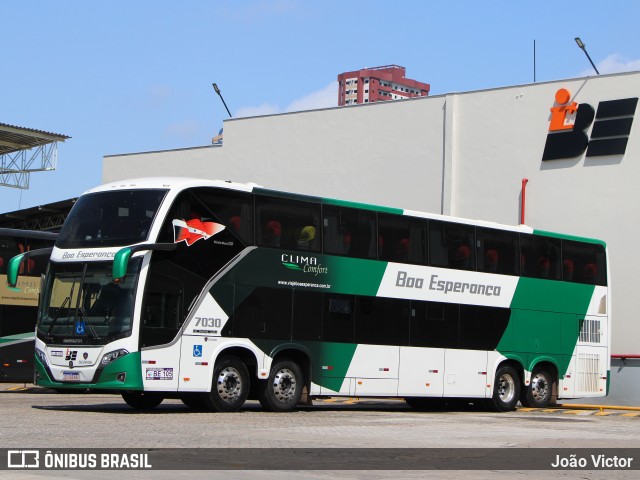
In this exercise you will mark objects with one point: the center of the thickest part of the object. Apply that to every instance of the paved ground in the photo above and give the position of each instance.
(37, 418)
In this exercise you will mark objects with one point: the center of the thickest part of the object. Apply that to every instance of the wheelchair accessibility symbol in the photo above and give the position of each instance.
(197, 350)
(80, 328)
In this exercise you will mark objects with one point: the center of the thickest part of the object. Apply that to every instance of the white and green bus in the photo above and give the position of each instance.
(19, 305)
(215, 292)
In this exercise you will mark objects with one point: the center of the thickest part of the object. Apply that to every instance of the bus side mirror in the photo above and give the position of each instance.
(120, 264)
(122, 257)
(13, 268)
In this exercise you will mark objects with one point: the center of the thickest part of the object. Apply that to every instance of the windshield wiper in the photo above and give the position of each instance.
(56, 316)
(83, 316)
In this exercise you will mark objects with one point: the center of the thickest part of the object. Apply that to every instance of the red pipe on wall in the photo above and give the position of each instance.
(523, 196)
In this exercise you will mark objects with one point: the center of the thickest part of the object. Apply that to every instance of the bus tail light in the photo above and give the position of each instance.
(111, 356)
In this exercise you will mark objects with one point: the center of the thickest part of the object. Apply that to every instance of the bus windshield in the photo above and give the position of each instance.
(82, 305)
(110, 219)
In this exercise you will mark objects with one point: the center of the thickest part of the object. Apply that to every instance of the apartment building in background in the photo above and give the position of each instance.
(377, 84)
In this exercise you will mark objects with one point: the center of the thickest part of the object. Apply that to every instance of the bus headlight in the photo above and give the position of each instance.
(41, 356)
(111, 356)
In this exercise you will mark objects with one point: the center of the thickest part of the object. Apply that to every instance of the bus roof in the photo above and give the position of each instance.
(181, 183)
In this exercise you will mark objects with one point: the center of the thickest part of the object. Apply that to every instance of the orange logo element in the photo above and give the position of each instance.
(193, 230)
(559, 114)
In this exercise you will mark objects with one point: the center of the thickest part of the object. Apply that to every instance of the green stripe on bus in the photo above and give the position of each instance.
(336, 358)
(129, 364)
(544, 321)
(574, 238)
(362, 206)
(267, 267)
(17, 336)
(287, 195)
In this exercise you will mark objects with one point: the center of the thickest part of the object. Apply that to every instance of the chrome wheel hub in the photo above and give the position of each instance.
(229, 384)
(284, 385)
(506, 388)
(539, 388)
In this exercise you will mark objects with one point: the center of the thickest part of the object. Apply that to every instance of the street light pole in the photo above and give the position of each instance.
(583, 48)
(215, 87)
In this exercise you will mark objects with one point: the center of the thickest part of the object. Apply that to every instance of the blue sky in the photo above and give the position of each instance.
(131, 76)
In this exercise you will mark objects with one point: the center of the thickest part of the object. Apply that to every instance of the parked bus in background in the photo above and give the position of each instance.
(215, 292)
(19, 305)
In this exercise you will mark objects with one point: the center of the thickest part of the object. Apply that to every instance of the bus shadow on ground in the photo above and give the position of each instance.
(170, 407)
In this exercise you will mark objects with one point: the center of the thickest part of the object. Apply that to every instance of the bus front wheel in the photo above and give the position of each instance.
(142, 400)
(506, 390)
(230, 385)
(281, 392)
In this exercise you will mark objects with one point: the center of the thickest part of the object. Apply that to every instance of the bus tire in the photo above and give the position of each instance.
(230, 385)
(539, 391)
(142, 400)
(506, 390)
(281, 392)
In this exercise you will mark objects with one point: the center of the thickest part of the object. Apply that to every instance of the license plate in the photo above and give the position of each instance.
(159, 374)
(71, 376)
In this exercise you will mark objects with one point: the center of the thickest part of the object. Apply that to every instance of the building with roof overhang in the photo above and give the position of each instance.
(25, 150)
(575, 141)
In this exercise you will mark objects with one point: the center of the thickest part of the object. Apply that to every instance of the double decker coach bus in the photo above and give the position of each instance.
(215, 292)
(19, 305)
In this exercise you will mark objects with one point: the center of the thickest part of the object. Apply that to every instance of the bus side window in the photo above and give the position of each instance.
(262, 313)
(307, 315)
(405, 239)
(497, 251)
(382, 321)
(337, 322)
(481, 328)
(231, 209)
(162, 309)
(348, 231)
(452, 245)
(541, 257)
(281, 223)
(434, 324)
(583, 263)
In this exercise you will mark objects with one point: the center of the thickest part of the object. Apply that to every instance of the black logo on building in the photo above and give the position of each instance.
(609, 135)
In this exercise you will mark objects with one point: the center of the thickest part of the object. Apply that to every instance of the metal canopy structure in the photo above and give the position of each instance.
(25, 150)
(49, 217)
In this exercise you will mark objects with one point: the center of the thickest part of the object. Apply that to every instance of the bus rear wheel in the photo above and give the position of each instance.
(538, 393)
(230, 386)
(281, 392)
(506, 390)
(142, 400)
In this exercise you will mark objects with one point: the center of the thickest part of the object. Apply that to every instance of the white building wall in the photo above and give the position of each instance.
(502, 134)
(378, 153)
(460, 154)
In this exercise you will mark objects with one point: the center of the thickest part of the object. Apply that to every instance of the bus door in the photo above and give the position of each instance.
(161, 318)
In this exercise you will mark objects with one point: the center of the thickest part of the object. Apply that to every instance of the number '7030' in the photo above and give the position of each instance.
(208, 322)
